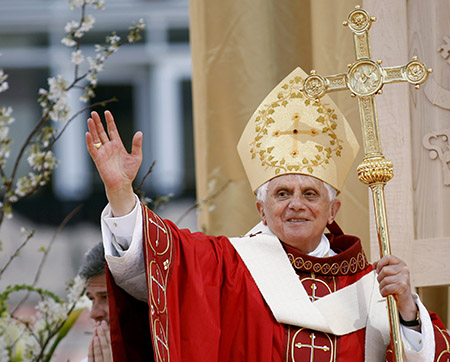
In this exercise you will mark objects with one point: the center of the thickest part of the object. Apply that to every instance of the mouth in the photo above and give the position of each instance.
(296, 220)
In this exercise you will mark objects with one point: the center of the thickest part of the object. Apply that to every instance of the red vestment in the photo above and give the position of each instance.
(204, 305)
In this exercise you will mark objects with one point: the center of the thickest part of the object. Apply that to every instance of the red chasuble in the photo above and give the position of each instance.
(204, 305)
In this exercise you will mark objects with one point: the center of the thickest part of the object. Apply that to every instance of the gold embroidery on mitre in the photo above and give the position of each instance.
(324, 123)
(289, 133)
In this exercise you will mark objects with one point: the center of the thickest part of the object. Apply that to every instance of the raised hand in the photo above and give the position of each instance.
(116, 166)
(394, 279)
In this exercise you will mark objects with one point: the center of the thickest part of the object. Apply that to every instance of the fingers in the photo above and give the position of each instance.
(98, 356)
(112, 128)
(394, 279)
(99, 135)
(91, 351)
(136, 146)
(105, 341)
(102, 135)
(92, 136)
(100, 346)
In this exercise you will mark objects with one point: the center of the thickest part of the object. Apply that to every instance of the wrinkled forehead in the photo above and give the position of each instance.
(294, 180)
(96, 282)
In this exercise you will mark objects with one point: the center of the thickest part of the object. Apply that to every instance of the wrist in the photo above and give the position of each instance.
(411, 322)
(121, 201)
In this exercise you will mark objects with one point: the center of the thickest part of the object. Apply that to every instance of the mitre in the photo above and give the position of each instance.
(292, 134)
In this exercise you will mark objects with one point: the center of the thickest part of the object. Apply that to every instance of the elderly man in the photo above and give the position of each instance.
(92, 271)
(284, 292)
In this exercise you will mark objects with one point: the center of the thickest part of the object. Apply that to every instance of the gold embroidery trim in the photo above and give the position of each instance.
(447, 344)
(156, 274)
(356, 264)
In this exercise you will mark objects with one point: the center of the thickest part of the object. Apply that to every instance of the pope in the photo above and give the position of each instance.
(294, 288)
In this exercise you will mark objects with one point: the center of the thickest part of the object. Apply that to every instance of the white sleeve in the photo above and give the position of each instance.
(419, 346)
(122, 240)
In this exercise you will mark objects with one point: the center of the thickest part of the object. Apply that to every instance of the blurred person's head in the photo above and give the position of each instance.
(92, 270)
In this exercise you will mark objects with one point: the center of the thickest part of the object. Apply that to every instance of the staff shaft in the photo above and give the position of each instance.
(385, 249)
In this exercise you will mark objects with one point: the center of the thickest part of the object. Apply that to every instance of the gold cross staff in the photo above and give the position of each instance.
(365, 78)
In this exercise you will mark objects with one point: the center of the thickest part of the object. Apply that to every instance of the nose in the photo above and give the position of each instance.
(296, 202)
(98, 312)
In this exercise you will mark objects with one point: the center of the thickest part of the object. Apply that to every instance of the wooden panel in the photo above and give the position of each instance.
(430, 266)
(429, 24)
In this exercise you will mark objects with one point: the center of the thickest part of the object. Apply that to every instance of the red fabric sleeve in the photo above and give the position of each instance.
(206, 306)
(128, 319)
(441, 337)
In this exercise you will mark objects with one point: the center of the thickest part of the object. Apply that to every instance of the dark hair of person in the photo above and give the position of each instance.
(93, 262)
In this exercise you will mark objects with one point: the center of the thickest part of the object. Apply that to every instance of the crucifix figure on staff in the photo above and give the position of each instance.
(295, 288)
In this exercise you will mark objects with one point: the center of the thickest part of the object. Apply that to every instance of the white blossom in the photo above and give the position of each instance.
(87, 23)
(95, 64)
(92, 78)
(83, 303)
(3, 133)
(4, 355)
(39, 160)
(100, 4)
(58, 87)
(60, 111)
(77, 57)
(4, 86)
(71, 26)
(5, 115)
(68, 41)
(85, 26)
(75, 291)
(113, 39)
(75, 4)
(88, 94)
(51, 311)
(4, 152)
(13, 199)
(3, 76)
(133, 36)
(40, 326)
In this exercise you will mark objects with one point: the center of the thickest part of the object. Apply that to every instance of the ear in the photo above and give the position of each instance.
(262, 214)
(334, 208)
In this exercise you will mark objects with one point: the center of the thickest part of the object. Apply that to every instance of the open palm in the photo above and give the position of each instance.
(116, 166)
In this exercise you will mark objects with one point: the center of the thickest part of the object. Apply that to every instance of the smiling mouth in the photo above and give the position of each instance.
(296, 220)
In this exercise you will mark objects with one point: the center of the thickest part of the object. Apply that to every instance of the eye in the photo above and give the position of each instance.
(103, 297)
(311, 194)
(282, 194)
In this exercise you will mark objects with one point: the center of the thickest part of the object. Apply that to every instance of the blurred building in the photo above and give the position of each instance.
(151, 80)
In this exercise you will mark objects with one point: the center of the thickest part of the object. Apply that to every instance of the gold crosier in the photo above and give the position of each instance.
(364, 79)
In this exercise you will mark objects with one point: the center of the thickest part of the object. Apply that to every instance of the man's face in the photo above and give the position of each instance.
(297, 210)
(96, 292)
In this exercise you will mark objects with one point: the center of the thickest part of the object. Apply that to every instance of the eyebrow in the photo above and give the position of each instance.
(97, 293)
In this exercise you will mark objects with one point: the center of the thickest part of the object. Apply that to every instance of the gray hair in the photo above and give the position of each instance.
(93, 262)
(261, 191)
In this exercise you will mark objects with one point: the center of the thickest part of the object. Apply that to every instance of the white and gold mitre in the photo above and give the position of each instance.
(289, 133)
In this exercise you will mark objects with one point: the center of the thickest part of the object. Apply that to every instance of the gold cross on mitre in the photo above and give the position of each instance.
(365, 78)
(296, 131)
